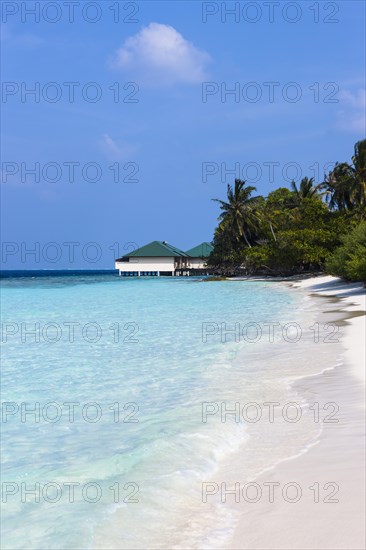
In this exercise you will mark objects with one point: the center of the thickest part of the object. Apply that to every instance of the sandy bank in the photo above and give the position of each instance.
(330, 514)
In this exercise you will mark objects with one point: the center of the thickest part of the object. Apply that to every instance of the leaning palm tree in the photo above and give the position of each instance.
(240, 212)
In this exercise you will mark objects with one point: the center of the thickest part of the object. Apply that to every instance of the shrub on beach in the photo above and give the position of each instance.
(349, 260)
(293, 251)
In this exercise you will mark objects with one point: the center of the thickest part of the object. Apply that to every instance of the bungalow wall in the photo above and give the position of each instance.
(197, 263)
(146, 264)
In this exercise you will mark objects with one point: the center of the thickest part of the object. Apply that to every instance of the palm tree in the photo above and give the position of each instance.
(346, 184)
(339, 187)
(307, 189)
(359, 169)
(239, 212)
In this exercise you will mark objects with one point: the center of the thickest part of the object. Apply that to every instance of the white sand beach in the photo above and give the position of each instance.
(353, 299)
(338, 457)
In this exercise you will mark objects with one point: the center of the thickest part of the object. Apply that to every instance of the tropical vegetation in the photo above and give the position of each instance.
(309, 227)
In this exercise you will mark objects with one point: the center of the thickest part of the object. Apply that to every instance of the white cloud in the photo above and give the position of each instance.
(356, 99)
(352, 118)
(159, 54)
(117, 150)
(26, 40)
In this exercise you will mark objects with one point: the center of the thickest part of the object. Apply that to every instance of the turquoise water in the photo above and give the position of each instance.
(134, 370)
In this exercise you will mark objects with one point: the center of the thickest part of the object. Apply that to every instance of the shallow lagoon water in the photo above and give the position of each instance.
(117, 371)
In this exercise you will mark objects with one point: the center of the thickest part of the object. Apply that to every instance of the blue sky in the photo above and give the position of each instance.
(172, 139)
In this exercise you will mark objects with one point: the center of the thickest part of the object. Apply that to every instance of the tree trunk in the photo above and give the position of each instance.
(246, 240)
(273, 233)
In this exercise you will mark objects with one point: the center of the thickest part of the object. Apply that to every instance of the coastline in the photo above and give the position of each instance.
(352, 298)
(336, 460)
(279, 453)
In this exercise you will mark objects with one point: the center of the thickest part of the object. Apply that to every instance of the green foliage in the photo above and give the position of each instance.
(293, 230)
(239, 215)
(349, 260)
(345, 185)
(224, 244)
(293, 251)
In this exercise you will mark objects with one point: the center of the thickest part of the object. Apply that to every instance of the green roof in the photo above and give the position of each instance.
(202, 250)
(156, 249)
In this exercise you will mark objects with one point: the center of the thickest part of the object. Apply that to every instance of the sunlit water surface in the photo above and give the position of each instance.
(117, 371)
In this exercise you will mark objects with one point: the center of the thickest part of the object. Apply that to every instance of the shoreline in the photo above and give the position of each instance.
(352, 298)
(336, 462)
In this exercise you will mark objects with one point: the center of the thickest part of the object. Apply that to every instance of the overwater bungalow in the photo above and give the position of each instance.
(198, 255)
(159, 258)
